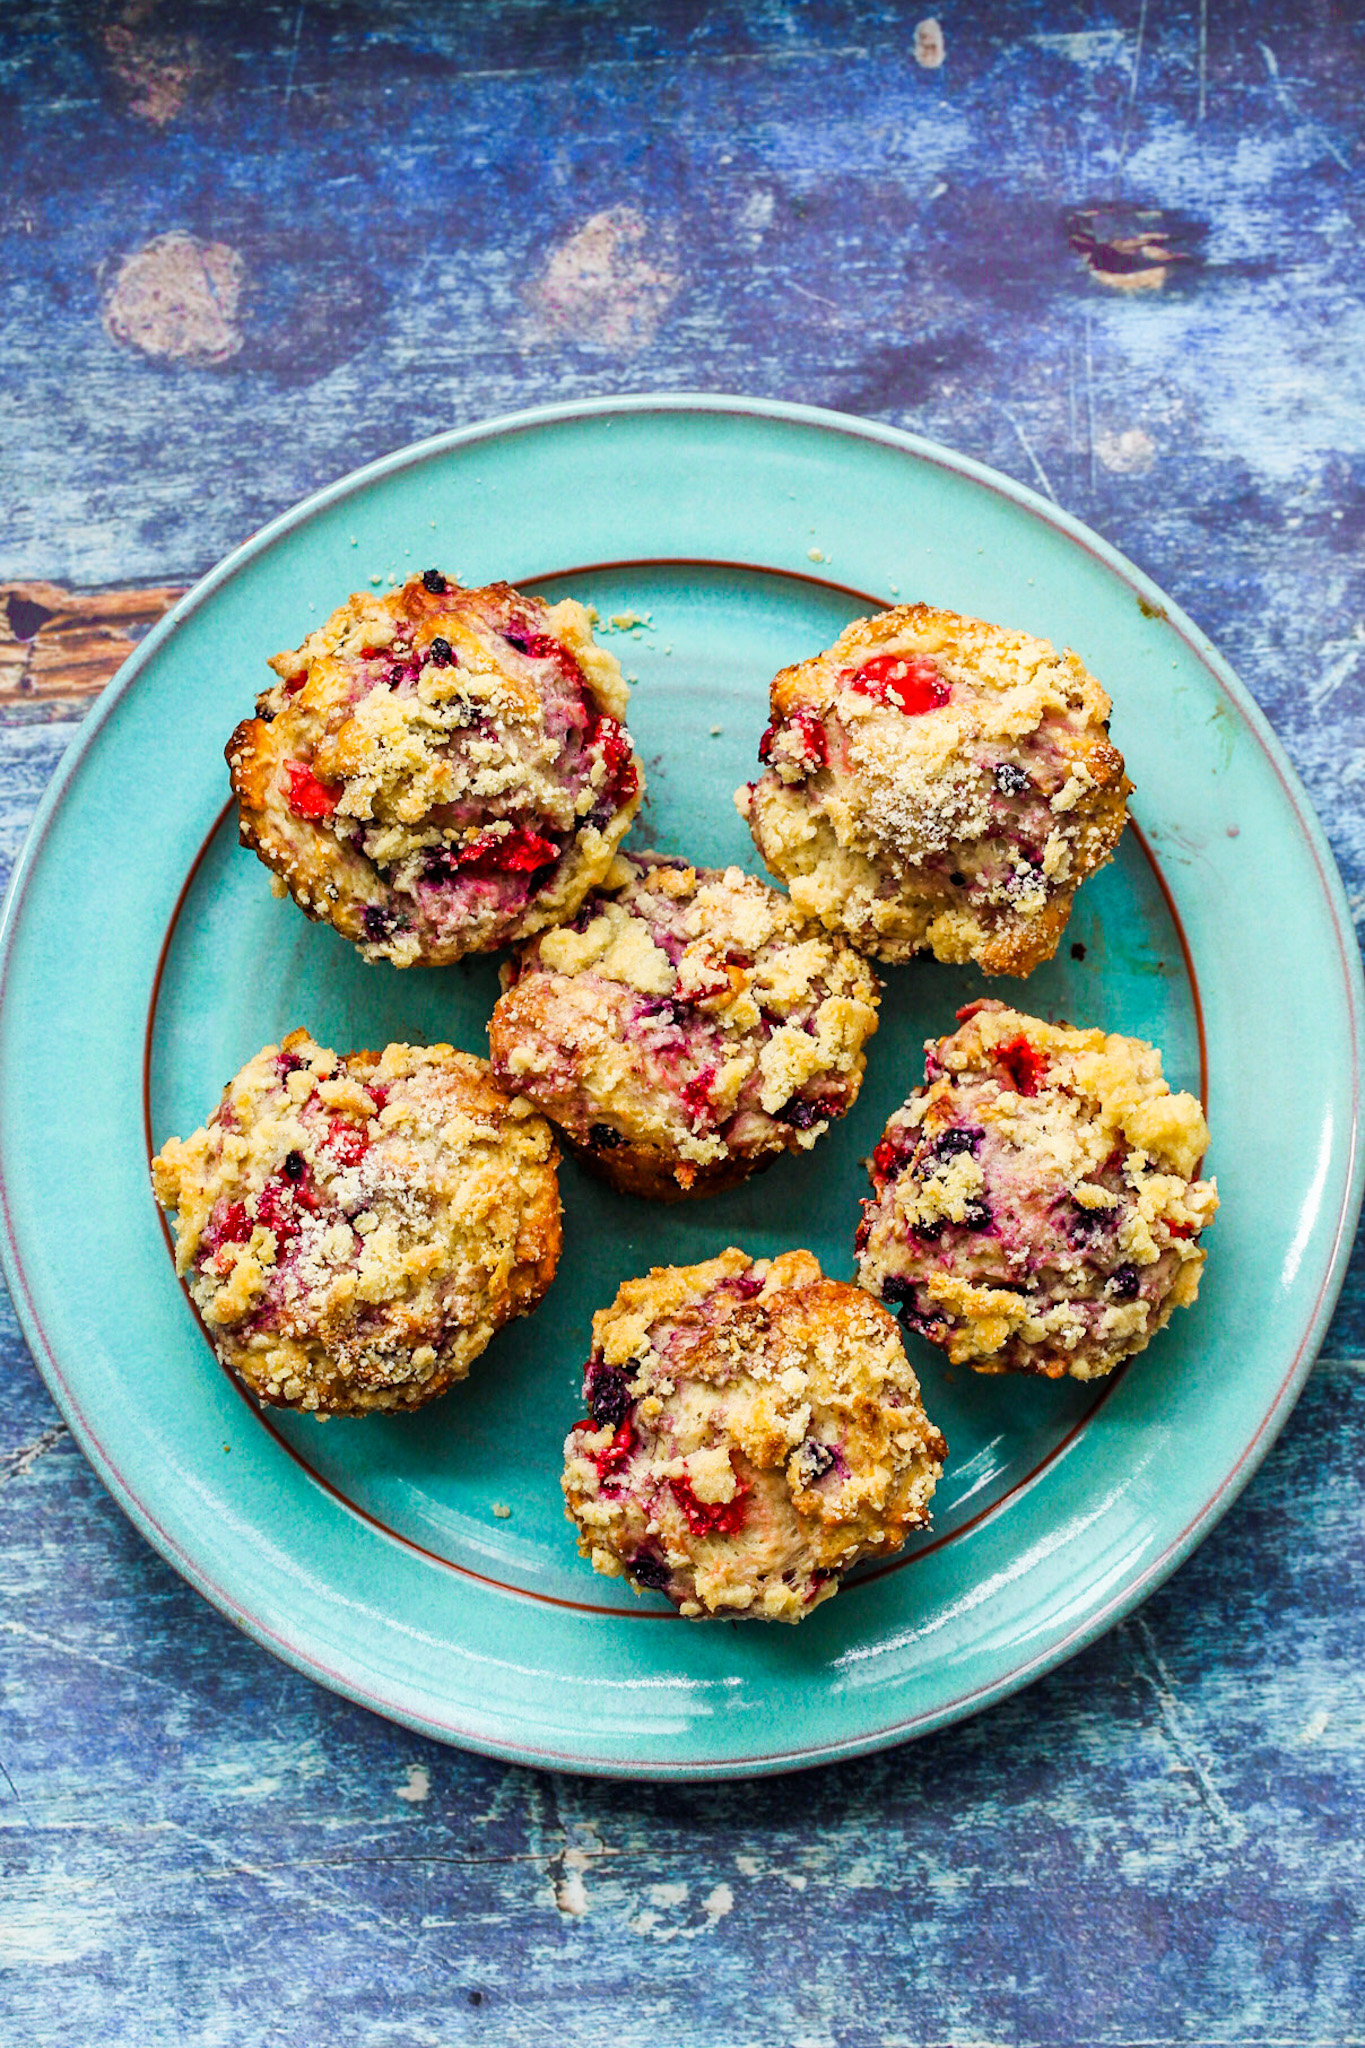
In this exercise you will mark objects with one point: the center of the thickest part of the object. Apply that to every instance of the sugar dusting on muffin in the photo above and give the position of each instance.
(936, 784)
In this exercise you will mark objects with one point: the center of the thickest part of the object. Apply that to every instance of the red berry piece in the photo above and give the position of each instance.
(345, 1142)
(309, 798)
(277, 1209)
(893, 1154)
(809, 727)
(1024, 1064)
(710, 1517)
(611, 739)
(230, 1225)
(696, 1093)
(909, 683)
(519, 852)
(611, 1462)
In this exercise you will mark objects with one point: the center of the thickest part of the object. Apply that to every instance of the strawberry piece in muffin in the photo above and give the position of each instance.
(753, 1430)
(1035, 1207)
(439, 771)
(935, 784)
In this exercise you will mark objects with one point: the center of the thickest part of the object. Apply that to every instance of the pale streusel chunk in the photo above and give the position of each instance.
(754, 1429)
(688, 1028)
(439, 771)
(1034, 1204)
(354, 1231)
(938, 785)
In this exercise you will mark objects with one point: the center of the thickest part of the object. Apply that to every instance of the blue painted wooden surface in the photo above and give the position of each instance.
(1114, 251)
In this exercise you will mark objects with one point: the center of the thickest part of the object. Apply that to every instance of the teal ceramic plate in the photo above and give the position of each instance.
(145, 960)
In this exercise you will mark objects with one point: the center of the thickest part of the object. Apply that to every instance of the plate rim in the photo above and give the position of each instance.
(1152, 597)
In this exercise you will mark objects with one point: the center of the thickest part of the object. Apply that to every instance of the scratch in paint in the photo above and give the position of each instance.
(1173, 1720)
(14, 1464)
(1272, 65)
(1132, 95)
(1027, 446)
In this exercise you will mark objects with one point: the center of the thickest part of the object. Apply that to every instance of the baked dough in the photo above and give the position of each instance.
(439, 771)
(753, 1430)
(688, 1028)
(938, 785)
(1035, 1207)
(354, 1231)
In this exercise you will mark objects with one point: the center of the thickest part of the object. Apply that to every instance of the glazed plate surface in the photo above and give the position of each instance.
(145, 960)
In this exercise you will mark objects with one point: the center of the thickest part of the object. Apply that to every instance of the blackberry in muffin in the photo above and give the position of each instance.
(1035, 1207)
(439, 771)
(753, 1430)
(354, 1231)
(688, 1028)
(935, 784)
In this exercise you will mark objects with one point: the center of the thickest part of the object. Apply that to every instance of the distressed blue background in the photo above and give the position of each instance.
(1115, 252)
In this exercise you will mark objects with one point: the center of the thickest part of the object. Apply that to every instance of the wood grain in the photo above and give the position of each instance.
(1114, 253)
(65, 645)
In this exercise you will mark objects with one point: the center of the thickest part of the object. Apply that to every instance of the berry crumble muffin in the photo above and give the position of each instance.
(754, 1430)
(937, 785)
(688, 1028)
(1034, 1204)
(439, 771)
(353, 1231)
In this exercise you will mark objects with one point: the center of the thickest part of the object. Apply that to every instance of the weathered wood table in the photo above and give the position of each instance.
(1115, 253)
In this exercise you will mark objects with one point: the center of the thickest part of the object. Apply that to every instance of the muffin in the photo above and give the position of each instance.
(688, 1028)
(353, 1231)
(1035, 1207)
(754, 1430)
(938, 785)
(439, 771)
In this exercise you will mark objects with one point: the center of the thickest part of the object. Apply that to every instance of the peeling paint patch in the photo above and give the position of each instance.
(1134, 248)
(176, 299)
(418, 1787)
(154, 75)
(718, 1903)
(930, 49)
(608, 286)
(1129, 453)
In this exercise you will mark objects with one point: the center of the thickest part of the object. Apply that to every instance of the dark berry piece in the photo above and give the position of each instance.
(977, 1215)
(603, 1138)
(1123, 1283)
(267, 717)
(1084, 1224)
(648, 1570)
(813, 1460)
(440, 652)
(606, 1389)
(958, 879)
(1077, 950)
(435, 582)
(1010, 780)
(295, 1166)
(377, 922)
(957, 1138)
(800, 1113)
